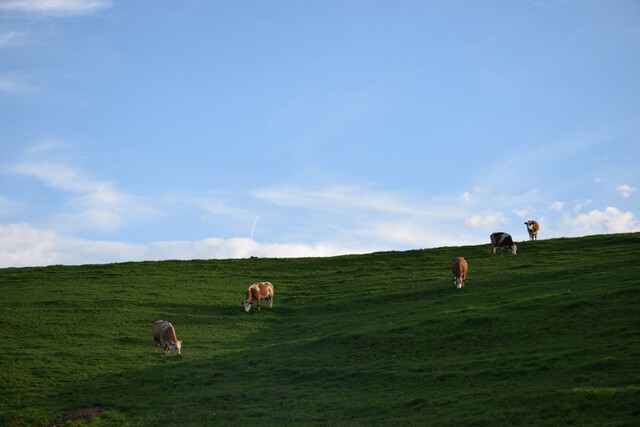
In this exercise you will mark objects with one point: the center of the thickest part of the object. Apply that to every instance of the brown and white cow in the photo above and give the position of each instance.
(459, 268)
(503, 241)
(259, 291)
(164, 335)
(532, 228)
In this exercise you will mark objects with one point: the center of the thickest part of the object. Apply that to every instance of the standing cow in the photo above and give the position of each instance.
(259, 291)
(459, 268)
(164, 335)
(532, 228)
(502, 240)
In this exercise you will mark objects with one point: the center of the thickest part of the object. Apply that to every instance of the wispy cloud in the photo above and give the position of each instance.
(557, 206)
(410, 233)
(61, 176)
(15, 86)
(521, 168)
(398, 220)
(581, 204)
(95, 204)
(337, 198)
(387, 219)
(543, 4)
(55, 7)
(9, 38)
(44, 146)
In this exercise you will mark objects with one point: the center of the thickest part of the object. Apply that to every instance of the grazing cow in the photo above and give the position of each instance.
(165, 336)
(532, 228)
(503, 240)
(459, 269)
(259, 291)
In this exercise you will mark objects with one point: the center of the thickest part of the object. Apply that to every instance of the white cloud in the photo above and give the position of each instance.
(611, 220)
(240, 248)
(24, 245)
(55, 6)
(625, 190)
(466, 196)
(487, 221)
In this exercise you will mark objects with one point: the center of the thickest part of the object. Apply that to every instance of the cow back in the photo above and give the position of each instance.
(501, 239)
(164, 330)
(459, 266)
(261, 290)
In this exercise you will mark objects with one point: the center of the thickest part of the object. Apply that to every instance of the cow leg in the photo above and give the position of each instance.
(167, 346)
(271, 301)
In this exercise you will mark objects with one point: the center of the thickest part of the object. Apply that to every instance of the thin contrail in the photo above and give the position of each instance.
(254, 227)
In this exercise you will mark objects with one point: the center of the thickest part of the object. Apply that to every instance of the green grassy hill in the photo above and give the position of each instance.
(548, 337)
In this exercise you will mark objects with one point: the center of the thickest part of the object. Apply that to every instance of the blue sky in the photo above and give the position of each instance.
(148, 130)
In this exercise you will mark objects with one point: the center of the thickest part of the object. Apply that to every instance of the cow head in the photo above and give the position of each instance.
(513, 249)
(175, 347)
(247, 306)
(250, 298)
(458, 283)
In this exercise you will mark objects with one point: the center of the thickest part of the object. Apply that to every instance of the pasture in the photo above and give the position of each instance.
(550, 336)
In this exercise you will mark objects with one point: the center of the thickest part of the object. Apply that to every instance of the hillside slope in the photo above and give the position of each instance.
(548, 337)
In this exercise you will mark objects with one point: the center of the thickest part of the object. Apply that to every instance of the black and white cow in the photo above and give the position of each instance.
(502, 240)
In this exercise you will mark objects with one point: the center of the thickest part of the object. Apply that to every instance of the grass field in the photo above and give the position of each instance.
(550, 336)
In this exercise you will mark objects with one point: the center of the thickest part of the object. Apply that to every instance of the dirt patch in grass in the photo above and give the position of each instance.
(75, 418)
